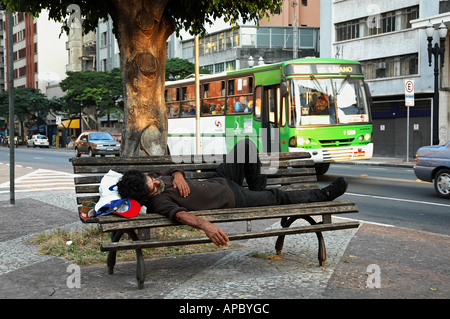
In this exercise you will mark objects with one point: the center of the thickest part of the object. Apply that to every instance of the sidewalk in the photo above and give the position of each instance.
(405, 263)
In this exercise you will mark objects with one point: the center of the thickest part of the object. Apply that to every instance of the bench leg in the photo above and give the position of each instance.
(111, 260)
(140, 267)
(286, 222)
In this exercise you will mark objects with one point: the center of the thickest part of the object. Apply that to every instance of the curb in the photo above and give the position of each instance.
(374, 163)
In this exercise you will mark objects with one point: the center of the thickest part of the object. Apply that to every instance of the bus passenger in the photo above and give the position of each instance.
(240, 105)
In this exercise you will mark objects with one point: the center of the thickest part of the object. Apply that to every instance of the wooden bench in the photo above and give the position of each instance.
(295, 171)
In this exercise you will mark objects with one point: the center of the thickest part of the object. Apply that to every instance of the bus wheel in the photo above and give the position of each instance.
(322, 168)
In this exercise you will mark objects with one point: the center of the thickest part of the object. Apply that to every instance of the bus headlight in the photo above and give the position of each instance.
(367, 137)
(298, 141)
(301, 141)
(293, 142)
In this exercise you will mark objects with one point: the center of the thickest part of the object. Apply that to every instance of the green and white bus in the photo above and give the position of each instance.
(317, 105)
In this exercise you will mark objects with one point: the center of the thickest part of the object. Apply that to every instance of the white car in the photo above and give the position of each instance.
(38, 140)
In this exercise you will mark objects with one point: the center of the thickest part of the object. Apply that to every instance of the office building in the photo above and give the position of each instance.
(388, 38)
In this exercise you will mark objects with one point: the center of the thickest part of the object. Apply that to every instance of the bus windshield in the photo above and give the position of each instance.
(325, 101)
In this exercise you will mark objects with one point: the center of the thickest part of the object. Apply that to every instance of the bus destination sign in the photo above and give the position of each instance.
(323, 69)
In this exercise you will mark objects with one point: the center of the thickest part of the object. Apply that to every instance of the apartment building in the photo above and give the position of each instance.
(388, 38)
(39, 55)
(292, 32)
(108, 53)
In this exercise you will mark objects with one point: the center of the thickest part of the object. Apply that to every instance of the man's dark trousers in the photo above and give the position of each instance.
(243, 162)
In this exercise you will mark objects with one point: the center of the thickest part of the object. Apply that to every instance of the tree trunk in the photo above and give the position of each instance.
(142, 31)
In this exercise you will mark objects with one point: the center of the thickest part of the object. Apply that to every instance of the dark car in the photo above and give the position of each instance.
(96, 143)
(433, 165)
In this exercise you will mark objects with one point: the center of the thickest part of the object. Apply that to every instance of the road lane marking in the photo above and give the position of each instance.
(398, 199)
(363, 221)
(41, 180)
(377, 177)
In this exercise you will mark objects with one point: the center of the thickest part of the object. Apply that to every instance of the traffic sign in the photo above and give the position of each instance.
(409, 92)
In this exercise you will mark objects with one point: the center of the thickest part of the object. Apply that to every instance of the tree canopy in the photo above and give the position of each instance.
(103, 90)
(189, 15)
(30, 106)
(142, 28)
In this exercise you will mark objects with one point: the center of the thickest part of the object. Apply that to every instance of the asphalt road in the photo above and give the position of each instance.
(39, 158)
(385, 195)
(393, 196)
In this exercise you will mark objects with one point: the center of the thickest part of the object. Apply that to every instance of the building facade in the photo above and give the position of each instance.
(39, 58)
(108, 53)
(292, 32)
(392, 47)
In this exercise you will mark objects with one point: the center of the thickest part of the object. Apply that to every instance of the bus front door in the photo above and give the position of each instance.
(270, 107)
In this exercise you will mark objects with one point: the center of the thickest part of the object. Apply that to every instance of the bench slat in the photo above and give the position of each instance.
(283, 177)
(92, 187)
(139, 244)
(166, 159)
(204, 167)
(111, 223)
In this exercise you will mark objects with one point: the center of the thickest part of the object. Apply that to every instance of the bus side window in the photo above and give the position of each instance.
(240, 97)
(213, 102)
(172, 98)
(258, 93)
(173, 109)
(188, 101)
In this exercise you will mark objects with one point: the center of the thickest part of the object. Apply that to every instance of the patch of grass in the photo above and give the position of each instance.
(83, 248)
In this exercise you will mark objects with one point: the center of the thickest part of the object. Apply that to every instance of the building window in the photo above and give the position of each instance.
(306, 37)
(210, 68)
(103, 39)
(388, 22)
(348, 30)
(221, 41)
(277, 38)
(230, 65)
(378, 24)
(220, 67)
(248, 37)
(187, 51)
(396, 66)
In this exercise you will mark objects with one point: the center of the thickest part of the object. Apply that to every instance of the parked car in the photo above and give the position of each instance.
(96, 143)
(38, 140)
(433, 165)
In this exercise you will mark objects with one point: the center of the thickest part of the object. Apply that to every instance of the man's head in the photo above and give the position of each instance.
(138, 186)
(133, 184)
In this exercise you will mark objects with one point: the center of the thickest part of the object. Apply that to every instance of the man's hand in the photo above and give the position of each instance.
(215, 233)
(180, 183)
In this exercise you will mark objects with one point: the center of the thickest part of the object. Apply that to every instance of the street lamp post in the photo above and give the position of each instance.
(438, 52)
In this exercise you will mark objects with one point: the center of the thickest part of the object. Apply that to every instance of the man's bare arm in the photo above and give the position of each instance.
(215, 233)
